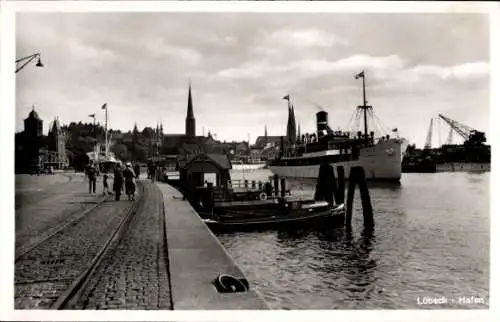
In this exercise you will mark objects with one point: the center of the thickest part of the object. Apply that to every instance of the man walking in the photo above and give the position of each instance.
(91, 174)
(137, 170)
(118, 182)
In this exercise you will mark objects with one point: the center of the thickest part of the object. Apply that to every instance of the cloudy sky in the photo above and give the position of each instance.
(242, 64)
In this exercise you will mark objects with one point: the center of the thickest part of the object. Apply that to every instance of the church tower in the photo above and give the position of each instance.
(32, 139)
(57, 142)
(190, 121)
(33, 125)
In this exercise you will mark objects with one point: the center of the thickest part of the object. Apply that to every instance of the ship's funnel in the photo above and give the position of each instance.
(321, 123)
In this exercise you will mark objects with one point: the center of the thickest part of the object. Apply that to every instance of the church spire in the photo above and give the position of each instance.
(190, 120)
(190, 113)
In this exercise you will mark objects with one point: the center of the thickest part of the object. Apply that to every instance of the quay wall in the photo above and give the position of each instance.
(196, 258)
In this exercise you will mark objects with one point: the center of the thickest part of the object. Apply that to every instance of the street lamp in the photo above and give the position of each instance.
(26, 60)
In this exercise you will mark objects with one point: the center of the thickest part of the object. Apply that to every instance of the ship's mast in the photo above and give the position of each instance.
(365, 105)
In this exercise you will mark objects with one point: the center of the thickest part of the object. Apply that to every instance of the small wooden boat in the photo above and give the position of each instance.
(281, 215)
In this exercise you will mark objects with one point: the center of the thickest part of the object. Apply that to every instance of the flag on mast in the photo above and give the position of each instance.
(92, 115)
(104, 106)
(287, 97)
(362, 74)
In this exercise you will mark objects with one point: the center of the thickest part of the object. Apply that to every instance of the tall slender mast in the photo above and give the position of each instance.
(365, 105)
(106, 135)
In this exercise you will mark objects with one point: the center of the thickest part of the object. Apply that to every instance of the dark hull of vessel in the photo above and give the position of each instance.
(299, 219)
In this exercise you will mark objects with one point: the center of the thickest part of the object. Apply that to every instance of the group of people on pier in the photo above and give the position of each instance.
(123, 177)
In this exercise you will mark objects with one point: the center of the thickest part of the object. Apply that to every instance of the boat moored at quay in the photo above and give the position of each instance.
(379, 157)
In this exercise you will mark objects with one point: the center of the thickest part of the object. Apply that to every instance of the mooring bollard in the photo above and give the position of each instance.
(276, 184)
(253, 184)
(357, 176)
(340, 195)
(283, 187)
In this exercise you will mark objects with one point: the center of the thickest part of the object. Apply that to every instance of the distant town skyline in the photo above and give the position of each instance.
(241, 65)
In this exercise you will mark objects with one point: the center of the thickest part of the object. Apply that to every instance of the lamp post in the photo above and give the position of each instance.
(95, 136)
(105, 107)
(26, 60)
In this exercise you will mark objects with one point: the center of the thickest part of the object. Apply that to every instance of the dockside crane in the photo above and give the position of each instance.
(428, 140)
(470, 135)
(449, 140)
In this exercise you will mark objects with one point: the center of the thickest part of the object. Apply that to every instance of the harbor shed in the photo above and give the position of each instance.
(203, 167)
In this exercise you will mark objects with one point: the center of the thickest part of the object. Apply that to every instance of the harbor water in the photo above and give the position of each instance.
(429, 250)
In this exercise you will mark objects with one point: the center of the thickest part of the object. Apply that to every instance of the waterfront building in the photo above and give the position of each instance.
(28, 143)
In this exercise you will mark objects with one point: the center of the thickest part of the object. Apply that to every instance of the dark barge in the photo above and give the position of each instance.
(259, 206)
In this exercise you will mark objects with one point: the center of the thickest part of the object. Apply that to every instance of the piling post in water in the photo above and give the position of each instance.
(365, 200)
(268, 189)
(276, 184)
(327, 185)
(350, 197)
(340, 195)
(357, 176)
(283, 187)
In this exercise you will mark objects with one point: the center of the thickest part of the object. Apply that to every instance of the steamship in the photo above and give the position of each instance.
(380, 157)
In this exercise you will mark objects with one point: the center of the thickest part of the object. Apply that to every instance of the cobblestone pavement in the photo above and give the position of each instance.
(49, 206)
(43, 273)
(134, 274)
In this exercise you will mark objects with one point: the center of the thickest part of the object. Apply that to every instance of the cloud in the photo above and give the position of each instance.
(461, 72)
(311, 37)
(312, 67)
(241, 65)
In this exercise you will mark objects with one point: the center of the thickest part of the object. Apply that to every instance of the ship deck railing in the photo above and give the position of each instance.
(241, 185)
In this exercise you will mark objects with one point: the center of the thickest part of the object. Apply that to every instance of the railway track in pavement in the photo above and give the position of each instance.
(50, 271)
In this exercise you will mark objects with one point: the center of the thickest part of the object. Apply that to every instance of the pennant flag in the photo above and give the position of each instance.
(92, 115)
(104, 106)
(362, 74)
(287, 97)
(395, 129)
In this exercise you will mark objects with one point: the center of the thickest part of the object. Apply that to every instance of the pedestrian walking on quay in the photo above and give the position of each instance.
(129, 176)
(91, 174)
(118, 182)
(105, 189)
(137, 170)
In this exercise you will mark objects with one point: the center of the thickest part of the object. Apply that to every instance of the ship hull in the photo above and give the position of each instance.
(463, 167)
(381, 162)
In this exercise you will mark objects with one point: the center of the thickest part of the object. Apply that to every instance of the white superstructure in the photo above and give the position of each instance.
(381, 161)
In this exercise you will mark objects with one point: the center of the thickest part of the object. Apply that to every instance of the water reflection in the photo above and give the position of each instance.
(429, 231)
(348, 260)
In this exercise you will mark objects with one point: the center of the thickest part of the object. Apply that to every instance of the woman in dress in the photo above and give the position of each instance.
(129, 176)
